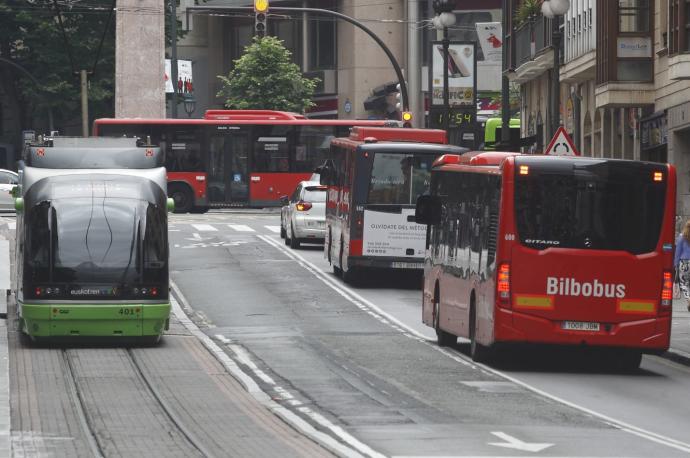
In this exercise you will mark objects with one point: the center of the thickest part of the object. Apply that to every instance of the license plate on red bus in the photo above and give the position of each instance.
(580, 326)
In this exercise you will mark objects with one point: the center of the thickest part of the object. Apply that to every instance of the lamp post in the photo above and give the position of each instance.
(554, 9)
(189, 104)
(444, 18)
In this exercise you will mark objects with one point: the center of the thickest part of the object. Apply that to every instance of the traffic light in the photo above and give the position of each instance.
(407, 119)
(398, 98)
(443, 6)
(260, 12)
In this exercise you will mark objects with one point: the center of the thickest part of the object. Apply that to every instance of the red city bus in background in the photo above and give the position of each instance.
(374, 177)
(550, 250)
(236, 157)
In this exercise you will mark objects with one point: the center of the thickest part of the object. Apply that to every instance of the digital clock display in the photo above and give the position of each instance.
(456, 117)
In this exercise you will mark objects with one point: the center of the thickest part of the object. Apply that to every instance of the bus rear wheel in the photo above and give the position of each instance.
(184, 200)
(478, 352)
(627, 360)
(444, 339)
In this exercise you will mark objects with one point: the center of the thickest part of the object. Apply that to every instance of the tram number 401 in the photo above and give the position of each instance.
(128, 311)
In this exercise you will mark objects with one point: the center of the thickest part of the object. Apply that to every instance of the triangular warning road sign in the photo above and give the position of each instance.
(561, 145)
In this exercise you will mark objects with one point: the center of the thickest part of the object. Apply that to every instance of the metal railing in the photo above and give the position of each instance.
(531, 38)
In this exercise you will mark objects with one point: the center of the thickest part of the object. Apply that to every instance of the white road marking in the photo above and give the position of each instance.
(241, 228)
(357, 449)
(274, 229)
(379, 314)
(517, 444)
(204, 227)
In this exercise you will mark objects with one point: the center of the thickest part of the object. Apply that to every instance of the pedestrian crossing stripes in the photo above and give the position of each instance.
(274, 229)
(204, 227)
(241, 228)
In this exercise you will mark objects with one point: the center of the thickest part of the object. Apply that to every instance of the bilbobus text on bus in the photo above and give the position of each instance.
(92, 240)
(236, 157)
(550, 250)
(374, 177)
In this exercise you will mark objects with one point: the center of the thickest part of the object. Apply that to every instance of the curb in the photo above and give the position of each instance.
(677, 356)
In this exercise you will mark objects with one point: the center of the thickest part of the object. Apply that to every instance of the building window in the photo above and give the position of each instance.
(633, 16)
(678, 26)
(322, 49)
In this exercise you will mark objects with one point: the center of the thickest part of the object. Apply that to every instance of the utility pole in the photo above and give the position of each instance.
(505, 83)
(84, 103)
(173, 55)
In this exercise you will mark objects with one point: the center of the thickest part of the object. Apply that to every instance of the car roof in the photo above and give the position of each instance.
(10, 171)
(310, 183)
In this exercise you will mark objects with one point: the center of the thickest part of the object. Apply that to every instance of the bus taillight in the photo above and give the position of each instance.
(503, 284)
(667, 292)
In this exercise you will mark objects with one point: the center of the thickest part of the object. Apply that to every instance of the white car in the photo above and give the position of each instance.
(8, 180)
(303, 216)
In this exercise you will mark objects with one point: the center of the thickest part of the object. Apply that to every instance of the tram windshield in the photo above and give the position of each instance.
(99, 243)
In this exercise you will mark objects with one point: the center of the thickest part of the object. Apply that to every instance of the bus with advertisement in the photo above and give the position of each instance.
(374, 177)
(550, 250)
(236, 157)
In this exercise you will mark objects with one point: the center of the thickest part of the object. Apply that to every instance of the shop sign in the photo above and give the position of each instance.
(634, 47)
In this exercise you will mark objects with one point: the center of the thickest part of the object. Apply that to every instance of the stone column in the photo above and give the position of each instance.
(139, 59)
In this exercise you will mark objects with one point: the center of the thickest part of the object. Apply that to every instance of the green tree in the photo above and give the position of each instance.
(265, 78)
(31, 37)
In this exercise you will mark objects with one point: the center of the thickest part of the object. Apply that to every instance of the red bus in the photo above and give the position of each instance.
(374, 177)
(236, 157)
(550, 250)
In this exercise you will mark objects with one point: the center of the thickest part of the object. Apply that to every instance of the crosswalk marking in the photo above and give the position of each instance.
(241, 228)
(274, 229)
(204, 227)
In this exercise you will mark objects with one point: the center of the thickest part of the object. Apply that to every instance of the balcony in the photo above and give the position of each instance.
(533, 52)
(679, 67)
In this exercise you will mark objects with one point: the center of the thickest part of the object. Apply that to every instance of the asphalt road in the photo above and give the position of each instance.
(359, 360)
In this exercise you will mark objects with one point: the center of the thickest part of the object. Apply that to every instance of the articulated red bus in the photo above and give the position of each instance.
(552, 250)
(236, 157)
(374, 177)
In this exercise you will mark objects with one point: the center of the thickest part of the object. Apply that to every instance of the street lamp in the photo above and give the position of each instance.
(189, 104)
(444, 18)
(553, 9)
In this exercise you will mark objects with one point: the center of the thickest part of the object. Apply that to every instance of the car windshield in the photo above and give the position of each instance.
(315, 194)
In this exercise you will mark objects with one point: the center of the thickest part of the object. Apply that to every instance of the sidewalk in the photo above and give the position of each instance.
(680, 333)
(5, 447)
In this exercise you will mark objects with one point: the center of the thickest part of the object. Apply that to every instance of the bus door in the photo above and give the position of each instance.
(228, 178)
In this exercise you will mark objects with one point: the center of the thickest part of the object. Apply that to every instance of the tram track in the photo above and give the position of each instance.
(100, 446)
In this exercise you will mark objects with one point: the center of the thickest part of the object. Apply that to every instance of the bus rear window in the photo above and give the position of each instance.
(399, 179)
(598, 205)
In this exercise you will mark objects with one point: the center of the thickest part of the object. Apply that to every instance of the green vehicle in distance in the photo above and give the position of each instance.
(92, 240)
(492, 134)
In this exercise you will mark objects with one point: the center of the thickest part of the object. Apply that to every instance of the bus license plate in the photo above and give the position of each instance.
(580, 326)
(408, 265)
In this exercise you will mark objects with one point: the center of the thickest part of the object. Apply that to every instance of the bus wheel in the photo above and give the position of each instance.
(478, 352)
(184, 200)
(351, 276)
(444, 339)
(294, 241)
(148, 341)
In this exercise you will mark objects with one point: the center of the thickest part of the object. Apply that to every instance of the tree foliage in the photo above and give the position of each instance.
(31, 37)
(265, 78)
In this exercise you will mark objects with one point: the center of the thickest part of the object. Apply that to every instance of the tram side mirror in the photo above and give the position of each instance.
(19, 204)
(170, 203)
(15, 191)
(327, 176)
(284, 200)
(428, 210)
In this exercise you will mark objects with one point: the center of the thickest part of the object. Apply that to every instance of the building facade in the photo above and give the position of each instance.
(624, 80)
(351, 66)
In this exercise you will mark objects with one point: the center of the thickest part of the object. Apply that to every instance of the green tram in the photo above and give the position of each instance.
(92, 240)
